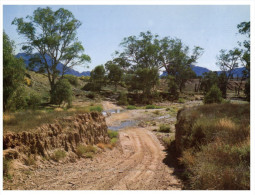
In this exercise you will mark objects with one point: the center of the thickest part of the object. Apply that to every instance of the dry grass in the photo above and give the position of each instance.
(215, 146)
(30, 119)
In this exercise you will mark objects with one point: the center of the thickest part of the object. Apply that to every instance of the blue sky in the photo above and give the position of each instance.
(212, 27)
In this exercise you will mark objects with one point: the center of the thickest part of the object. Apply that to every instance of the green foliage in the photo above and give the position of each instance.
(86, 151)
(73, 80)
(152, 107)
(112, 134)
(173, 88)
(62, 38)
(95, 109)
(113, 141)
(13, 73)
(176, 59)
(131, 107)
(208, 80)
(34, 100)
(213, 95)
(62, 92)
(122, 100)
(144, 80)
(97, 79)
(58, 155)
(114, 73)
(18, 100)
(84, 78)
(164, 128)
(181, 100)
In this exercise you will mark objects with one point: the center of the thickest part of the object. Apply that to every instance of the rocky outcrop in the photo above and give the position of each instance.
(65, 133)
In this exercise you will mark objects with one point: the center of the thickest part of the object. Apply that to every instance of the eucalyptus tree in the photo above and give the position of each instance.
(115, 73)
(176, 59)
(53, 36)
(228, 61)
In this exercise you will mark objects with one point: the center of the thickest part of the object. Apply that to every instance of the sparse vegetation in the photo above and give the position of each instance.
(164, 128)
(213, 96)
(131, 107)
(58, 155)
(73, 80)
(95, 109)
(86, 151)
(6, 168)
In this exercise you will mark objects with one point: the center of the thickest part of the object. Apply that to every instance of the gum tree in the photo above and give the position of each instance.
(53, 36)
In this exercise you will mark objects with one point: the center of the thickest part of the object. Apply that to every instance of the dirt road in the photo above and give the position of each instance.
(135, 164)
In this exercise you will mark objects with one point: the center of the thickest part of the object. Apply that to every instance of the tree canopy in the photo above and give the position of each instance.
(52, 33)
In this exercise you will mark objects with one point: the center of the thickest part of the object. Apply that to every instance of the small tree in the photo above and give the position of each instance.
(62, 92)
(228, 61)
(213, 96)
(97, 78)
(13, 71)
(114, 73)
(208, 80)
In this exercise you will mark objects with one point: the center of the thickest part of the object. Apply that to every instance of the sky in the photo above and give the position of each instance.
(212, 27)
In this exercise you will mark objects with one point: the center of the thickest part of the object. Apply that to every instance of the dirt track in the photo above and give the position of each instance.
(137, 163)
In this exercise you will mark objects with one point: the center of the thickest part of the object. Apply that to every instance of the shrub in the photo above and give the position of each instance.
(164, 128)
(34, 100)
(131, 107)
(181, 100)
(114, 141)
(58, 154)
(73, 80)
(213, 96)
(18, 100)
(95, 109)
(28, 82)
(112, 134)
(156, 112)
(84, 78)
(152, 107)
(6, 168)
(85, 150)
(62, 92)
(122, 100)
(173, 88)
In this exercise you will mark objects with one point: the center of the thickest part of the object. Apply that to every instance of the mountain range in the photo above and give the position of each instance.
(71, 71)
(238, 72)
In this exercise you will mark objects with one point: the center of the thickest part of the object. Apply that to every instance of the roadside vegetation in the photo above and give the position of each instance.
(213, 142)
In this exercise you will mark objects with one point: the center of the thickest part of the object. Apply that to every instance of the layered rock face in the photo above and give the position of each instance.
(65, 133)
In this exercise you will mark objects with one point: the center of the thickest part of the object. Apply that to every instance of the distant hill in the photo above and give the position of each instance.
(71, 71)
(238, 72)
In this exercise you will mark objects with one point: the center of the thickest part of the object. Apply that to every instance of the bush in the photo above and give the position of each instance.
(181, 100)
(152, 107)
(18, 100)
(34, 100)
(73, 80)
(112, 134)
(173, 88)
(95, 109)
(62, 92)
(164, 128)
(122, 100)
(58, 154)
(86, 151)
(131, 107)
(84, 78)
(6, 168)
(30, 161)
(114, 141)
(213, 96)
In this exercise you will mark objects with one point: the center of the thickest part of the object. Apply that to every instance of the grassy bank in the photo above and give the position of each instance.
(30, 119)
(214, 146)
